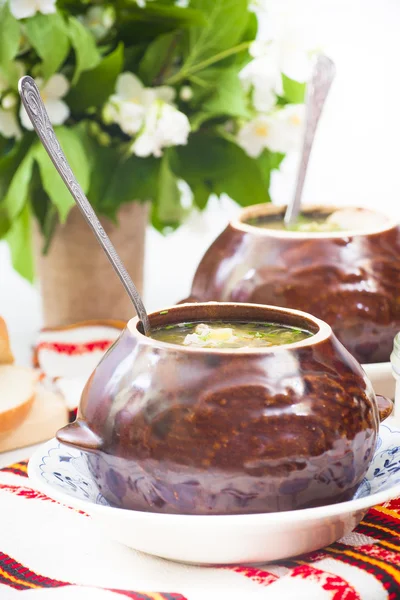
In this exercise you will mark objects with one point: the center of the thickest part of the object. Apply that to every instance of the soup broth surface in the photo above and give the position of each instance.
(320, 221)
(304, 223)
(221, 334)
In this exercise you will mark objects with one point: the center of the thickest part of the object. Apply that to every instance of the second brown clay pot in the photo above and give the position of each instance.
(350, 279)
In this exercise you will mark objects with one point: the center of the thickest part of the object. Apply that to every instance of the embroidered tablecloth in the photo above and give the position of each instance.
(51, 551)
(48, 550)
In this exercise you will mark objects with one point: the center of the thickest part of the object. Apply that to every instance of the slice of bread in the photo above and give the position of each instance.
(17, 393)
(48, 414)
(6, 356)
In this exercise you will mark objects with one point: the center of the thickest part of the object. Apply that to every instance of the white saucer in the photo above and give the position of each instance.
(61, 473)
(381, 377)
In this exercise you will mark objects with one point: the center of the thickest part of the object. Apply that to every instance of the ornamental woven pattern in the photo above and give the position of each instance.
(35, 529)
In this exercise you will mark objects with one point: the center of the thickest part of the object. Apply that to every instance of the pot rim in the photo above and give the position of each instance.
(258, 210)
(321, 331)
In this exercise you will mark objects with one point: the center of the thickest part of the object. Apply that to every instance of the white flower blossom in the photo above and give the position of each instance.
(186, 93)
(263, 77)
(9, 126)
(22, 9)
(283, 45)
(52, 92)
(280, 131)
(128, 106)
(164, 126)
(287, 129)
(253, 136)
(148, 112)
(99, 19)
(9, 101)
(283, 33)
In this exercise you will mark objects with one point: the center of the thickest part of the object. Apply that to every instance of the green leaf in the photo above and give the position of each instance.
(243, 58)
(94, 87)
(86, 53)
(250, 33)
(133, 56)
(222, 166)
(5, 223)
(51, 180)
(9, 36)
(227, 21)
(133, 178)
(19, 239)
(42, 208)
(267, 162)
(17, 193)
(169, 207)
(293, 91)
(48, 35)
(228, 98)
(115, 178)
(10, 162)
(140, 25)
(158, 57)
(203, 158)
(201, 193)
(11, 73)
(275, 160)
(245, 184)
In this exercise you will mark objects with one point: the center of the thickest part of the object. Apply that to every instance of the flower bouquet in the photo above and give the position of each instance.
(148, 99)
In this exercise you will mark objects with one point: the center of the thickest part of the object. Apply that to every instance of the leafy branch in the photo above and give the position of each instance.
(189, 71)
(204, 46)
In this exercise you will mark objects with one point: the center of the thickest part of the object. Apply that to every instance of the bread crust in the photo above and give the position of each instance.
(11, 419)
(6, 356)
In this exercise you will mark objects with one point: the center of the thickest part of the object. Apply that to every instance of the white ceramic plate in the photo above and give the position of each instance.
(61, 473)
(381, 377)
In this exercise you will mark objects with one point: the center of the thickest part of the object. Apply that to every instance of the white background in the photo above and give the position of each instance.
(356, 157)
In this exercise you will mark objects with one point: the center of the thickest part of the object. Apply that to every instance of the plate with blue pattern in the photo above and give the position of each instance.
(62, 473)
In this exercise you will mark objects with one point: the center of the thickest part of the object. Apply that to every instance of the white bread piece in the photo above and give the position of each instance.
(17, 393)
(6, 356)
(48, 414)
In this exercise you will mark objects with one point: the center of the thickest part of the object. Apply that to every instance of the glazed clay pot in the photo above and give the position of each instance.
(175, 429)
(351, 280)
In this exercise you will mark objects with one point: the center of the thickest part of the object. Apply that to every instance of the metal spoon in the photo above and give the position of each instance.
(37, 113)
(317, 92)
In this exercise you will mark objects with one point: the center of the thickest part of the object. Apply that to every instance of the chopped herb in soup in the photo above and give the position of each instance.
(219, 334)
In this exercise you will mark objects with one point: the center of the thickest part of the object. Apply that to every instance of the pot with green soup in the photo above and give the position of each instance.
(227, 409)
(341, 265)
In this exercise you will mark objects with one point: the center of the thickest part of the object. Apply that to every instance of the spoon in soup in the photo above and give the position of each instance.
(39, 118)
(317, 92)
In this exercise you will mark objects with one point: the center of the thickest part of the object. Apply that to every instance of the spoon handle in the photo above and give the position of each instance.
(317, 92)
(37, 113)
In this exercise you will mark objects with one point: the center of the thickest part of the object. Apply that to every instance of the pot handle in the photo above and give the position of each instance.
(78, 435)
(385, 407)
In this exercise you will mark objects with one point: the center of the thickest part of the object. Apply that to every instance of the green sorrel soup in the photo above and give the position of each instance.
(315, 223)
(220, 334)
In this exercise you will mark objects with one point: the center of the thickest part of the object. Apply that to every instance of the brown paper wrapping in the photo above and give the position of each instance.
(76, 280)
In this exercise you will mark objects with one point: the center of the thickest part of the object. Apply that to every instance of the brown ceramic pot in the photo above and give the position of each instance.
(351, 280)
(177, 429)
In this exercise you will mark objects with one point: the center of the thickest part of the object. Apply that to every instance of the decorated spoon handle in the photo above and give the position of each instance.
(317, 92)
(37, 113)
